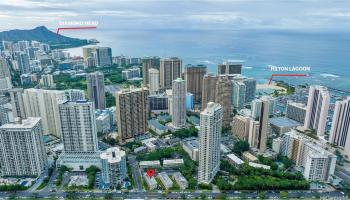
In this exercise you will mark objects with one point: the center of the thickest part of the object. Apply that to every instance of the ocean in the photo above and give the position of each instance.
(326, 53)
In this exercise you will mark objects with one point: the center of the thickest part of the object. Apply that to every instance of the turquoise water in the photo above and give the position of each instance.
(326, 53)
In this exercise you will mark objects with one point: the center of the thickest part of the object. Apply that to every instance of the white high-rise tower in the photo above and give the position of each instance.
(209, 142)
(153, 75)
(317, 109)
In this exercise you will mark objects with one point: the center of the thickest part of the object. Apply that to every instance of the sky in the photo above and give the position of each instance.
(306, 15)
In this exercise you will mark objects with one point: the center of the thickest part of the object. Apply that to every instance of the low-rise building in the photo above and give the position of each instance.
(257, 165)
(150, 144)
(157, 127)
(280, 125)
(150, 181)
(234, 160)
(180, 180)
(151, 163)
(247, 156)
(190, 146)
(173, 162)
(141, 149)
(165, 179)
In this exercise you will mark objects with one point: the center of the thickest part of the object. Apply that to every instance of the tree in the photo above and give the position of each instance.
(71, 195)
(262, 195)
(203, 196)
(110, 100)
(283, 194)
(222, 196)
(91, 173)
(108, 196)
(240, 146)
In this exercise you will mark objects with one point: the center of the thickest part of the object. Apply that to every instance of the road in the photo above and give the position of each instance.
(179, 195)
(136, 174)
(51, 184)
(38, 181)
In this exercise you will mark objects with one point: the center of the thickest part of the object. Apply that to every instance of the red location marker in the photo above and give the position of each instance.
(150, 172)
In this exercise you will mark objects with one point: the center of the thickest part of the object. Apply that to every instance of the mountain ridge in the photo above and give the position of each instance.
(42, 34)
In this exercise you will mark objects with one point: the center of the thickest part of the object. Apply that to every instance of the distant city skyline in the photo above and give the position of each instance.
(315, 15)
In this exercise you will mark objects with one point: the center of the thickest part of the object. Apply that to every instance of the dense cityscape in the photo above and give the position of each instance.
(93, 126)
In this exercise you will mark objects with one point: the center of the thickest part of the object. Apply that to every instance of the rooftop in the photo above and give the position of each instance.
(28, 123)
(284, 121)
(157, 125)
(113, 155)
(235, 159)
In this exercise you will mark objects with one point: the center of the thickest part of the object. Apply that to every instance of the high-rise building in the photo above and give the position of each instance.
(170, 69)
(44, 104)
(223, 97)
(5, 112)
(153, 81)
(158, 103)
(228, 68)
(88, 52)
(238, 94)
(317, 109)
(209, 89)
(256, 106)
(22, 151)
(240, 127)
(78, 124)
(296, 111)
(132, 113)
(260, 136)
(340, 131)
(189, 101)
(79, 135)
(4, 68)
(103, 56)
(253, 135)
(194, 80)
(291, 146)
(47, 81)
(23, 63)
(149, 63)
(250, 84)
(5, 85)
(96, 89)
(75, 95)
(17, 102)
(209, 142)
(179, 103)
(23, 45)
(318, 164)
(114, 168)
(169, 94)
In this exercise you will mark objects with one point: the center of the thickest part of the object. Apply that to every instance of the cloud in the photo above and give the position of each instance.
(332, 14)
(215, 17)
(196, 14)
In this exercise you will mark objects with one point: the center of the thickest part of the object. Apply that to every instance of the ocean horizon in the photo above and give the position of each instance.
(326, 53)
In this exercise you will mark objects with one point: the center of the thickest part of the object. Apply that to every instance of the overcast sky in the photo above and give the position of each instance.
(314, 15)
